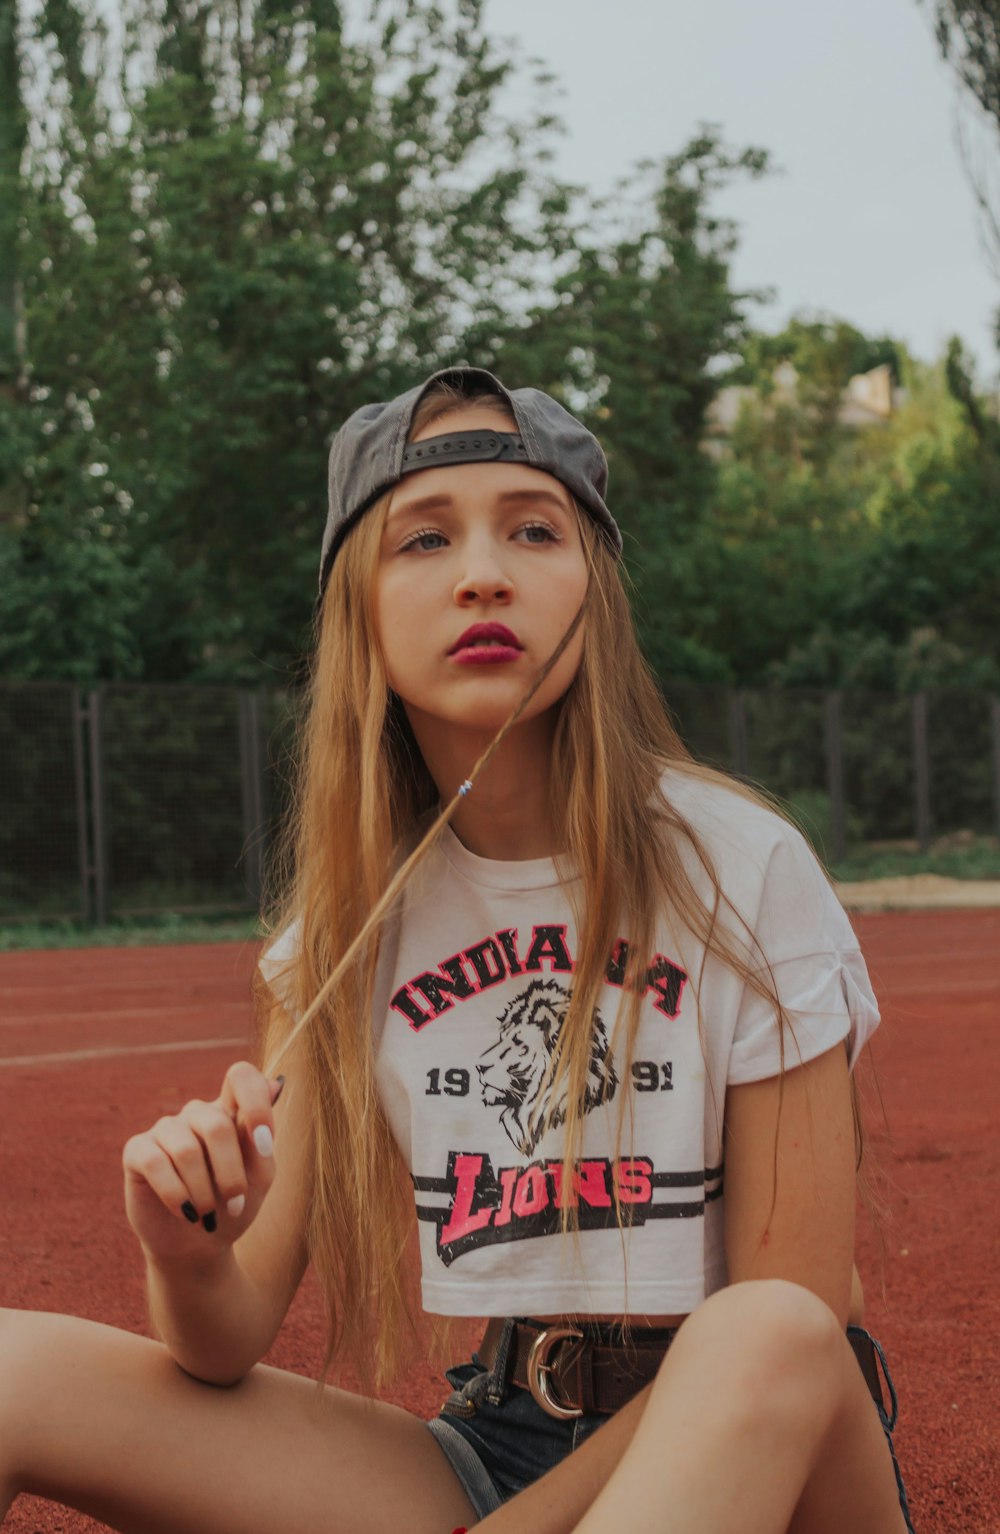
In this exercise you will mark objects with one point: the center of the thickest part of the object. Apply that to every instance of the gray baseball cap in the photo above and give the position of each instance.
(370, 453)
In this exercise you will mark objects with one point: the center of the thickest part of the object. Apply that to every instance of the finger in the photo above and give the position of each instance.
(250, 1097)
(146, 1162)
(178, 1141)
(220, 1140)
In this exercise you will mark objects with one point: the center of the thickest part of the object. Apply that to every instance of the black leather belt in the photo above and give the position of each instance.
(570, 1374)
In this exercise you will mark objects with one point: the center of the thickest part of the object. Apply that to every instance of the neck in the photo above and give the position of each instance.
(506, 816)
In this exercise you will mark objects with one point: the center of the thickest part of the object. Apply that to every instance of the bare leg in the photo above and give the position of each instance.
(759, 1420)
(106, 1422)
(557, 1502)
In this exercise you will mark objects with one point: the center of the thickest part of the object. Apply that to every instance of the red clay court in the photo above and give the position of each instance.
(96, 1044)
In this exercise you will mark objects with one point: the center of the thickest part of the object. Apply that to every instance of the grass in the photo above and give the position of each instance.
(977, 858)
(168, 928)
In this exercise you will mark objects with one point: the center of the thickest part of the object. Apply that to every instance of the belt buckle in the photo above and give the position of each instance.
(539, 1369)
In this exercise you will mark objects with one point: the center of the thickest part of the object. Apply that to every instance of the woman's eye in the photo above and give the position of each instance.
(538, 532)
(424, 541)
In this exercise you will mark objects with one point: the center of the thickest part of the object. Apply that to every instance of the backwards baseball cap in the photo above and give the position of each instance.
(370, 452)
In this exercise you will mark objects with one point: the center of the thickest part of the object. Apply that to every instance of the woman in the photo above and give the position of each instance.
(596, 1031)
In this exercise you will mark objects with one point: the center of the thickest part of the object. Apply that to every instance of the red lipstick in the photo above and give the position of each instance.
(486, 644)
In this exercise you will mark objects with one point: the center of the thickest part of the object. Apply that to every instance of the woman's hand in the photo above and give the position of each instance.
(197, 1179)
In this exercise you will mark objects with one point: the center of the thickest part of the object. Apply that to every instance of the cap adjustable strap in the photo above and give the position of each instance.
(464, 447)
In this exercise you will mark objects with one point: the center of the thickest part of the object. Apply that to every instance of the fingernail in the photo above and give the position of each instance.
(264, 1140)
(209, 1221)
(281, 1087)
(189, 1212)
(236, 1206)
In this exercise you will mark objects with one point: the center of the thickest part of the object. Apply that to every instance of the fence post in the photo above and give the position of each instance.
(739, 744)
(921, 771)
(835, 775)
(252, 791)
(995, 722)
(78, 718)
(97, 816)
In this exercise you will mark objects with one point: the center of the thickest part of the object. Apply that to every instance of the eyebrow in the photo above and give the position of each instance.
(506, 498)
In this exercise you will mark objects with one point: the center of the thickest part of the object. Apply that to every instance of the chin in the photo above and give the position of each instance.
(483, 709)
(488, 714)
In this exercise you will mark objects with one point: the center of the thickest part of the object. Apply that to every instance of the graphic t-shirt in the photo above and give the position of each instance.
(475, 978)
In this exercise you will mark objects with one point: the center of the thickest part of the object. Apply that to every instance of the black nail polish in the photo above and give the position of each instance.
(209, 1221)
(189, 1212)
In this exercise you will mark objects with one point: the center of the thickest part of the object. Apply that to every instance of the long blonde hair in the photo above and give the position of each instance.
(362, 793)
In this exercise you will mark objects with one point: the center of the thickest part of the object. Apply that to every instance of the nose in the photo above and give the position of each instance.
(484, 578)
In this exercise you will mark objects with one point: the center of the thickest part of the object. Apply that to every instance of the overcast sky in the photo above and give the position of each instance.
(868, 215)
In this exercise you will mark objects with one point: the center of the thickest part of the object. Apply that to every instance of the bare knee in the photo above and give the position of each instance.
(773, 1347)
(769, 1306)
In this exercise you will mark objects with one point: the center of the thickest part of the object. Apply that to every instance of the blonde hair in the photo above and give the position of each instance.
(363, 793)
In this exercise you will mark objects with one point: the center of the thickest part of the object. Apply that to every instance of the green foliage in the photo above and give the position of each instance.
(969, 37)
(256, 223)
(811, 810)
(168, 929)
(977, 859)
(267, 234)
(640, 317)
(13, 132)
(857, 556)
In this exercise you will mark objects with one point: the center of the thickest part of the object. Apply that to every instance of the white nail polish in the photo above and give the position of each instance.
(236, 1206)
(264, 1140)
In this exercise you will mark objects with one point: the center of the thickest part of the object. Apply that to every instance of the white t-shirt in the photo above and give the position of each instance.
(475, 977)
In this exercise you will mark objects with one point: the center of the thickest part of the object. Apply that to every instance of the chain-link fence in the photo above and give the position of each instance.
(130, 800)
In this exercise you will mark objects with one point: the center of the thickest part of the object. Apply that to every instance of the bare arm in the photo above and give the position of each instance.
(217, 1298)
(809, 1237)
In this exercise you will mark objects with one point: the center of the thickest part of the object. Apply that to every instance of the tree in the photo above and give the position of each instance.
(968, 35)
(252, 229)
(644, 312)
(12, 138)
(12, 339)
(875, 566)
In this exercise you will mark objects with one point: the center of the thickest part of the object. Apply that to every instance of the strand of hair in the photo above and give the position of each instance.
(399, 879)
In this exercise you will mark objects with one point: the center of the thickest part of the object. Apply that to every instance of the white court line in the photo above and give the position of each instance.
(116, 1051)
(113, 1015)
(938, 992)
(951, 956)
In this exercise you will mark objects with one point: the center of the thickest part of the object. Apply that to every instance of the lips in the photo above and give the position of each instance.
(486, 637)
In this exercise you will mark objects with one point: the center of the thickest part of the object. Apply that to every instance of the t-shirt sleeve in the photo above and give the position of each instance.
(276, 963)
(814, 956)
(277, 966)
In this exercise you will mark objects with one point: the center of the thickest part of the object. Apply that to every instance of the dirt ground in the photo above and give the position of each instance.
(921, 892)
(96, 1044)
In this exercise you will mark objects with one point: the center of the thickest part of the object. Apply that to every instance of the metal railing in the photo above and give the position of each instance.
(135, 799)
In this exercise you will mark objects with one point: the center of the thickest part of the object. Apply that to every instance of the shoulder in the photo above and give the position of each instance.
(764, 867)
(738, 830)
(784, 915)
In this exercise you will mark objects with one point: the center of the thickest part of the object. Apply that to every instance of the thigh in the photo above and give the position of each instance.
(854, 1481)
(106, 1422)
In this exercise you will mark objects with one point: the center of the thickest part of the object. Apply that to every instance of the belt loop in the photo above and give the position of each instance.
(498, 1374)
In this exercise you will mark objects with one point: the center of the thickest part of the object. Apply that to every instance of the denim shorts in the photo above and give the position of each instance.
(499, 1440)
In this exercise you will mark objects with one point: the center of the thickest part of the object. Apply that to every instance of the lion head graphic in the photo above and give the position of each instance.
(512, 1072)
